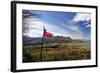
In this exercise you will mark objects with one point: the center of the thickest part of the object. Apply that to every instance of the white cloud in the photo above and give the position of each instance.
(74, 28)
(33, 26)
(30, 20)
(82, 17)
(77, 34)
(77, 18)
(85, 23)
(89, 25)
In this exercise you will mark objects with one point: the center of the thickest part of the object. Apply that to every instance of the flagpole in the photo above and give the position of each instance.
(41, 56)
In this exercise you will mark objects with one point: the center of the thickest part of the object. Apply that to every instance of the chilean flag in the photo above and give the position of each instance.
(47, 34)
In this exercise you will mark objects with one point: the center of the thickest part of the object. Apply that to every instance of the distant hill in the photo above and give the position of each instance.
(37, 40)
(58, 39)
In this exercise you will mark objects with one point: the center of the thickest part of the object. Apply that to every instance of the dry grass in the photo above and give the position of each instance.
(57, 52)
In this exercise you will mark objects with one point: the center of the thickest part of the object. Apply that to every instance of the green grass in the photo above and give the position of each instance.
(57, 52)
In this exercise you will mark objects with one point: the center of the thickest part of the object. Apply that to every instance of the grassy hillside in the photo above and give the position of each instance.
(56, 52)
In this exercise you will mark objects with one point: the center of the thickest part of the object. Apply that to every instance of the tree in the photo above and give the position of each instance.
(29, 17)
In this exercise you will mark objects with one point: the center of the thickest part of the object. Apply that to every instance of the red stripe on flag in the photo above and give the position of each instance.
(48, 34)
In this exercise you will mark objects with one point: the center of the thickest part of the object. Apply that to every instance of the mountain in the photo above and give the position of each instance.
(58, 39)
(37, 40)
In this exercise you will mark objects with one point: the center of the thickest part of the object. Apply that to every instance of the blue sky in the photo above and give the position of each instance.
(73, 24)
